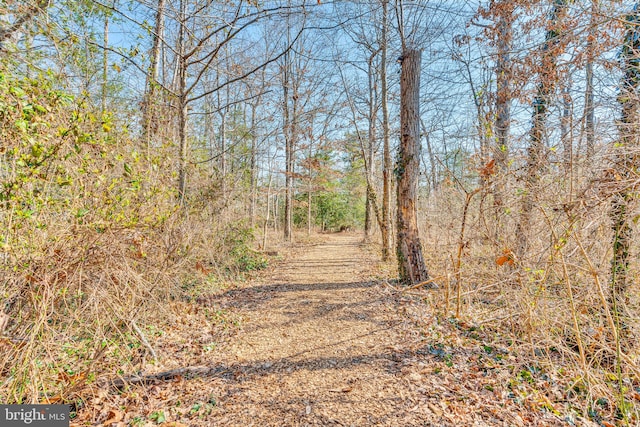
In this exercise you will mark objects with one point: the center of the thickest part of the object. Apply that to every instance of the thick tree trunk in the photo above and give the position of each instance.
(386, 156)
(411, 264)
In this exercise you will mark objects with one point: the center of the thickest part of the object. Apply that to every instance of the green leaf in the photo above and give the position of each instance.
(17, 91)
(82, 212)
(21, 125)
(36, 151)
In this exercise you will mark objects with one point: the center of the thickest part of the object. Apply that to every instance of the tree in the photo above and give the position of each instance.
(27, 14)
(386, 144)
(411, 264)
(149, 109)
(501, 36)
(548, 77)
(625, 164)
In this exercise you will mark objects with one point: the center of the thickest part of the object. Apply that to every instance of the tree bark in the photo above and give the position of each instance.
(626, 162)
(182, 107)
(589, 109)
(105, 64)
(536, 156)
(148, 108)
(411, 264)
(503, 109)
(386, 157)
(368, 217)
(289, 156)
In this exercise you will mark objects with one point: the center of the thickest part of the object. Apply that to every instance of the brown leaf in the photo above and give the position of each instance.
(502, 260)
(202, 269)
(507, 258)
(488, 169)
(114, 416)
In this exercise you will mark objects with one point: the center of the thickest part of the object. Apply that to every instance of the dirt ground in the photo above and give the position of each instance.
(319, 342)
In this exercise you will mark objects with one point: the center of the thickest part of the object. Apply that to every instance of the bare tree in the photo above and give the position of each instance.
(536, 156)
(625, 165)
(30, 11)
(386, 144)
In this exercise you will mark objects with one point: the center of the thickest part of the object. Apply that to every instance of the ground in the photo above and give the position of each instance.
(319, 340)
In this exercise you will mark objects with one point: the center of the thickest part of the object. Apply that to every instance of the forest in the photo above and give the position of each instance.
(171, 169)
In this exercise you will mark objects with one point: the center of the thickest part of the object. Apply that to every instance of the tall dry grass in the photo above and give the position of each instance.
(551, 303)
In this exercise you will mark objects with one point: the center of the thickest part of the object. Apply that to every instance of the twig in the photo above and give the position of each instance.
(163, 376)
(144, 340)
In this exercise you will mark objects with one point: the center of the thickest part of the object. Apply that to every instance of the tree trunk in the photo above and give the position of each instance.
(503, 110)
(565, 131)
(589, 108)
(386, 157)
(148, 107)
(536, 156)
(626, 162)
(289, 159)
(253, 171)
(368, 217)
(182, 107)
(105, 64)
(222, 135)
(309, 184)
(411, 264)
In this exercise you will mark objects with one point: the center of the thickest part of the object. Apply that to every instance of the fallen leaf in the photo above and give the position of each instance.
(115, 416)
(507, 258)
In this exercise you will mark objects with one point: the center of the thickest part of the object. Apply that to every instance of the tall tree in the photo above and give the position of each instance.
(386, 144)
(589, 108)
(502, 35)
(625, 164)
(149, 104)
(411, 263)
(536, 155)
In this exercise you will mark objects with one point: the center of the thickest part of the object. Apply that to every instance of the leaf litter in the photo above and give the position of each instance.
(319, 340)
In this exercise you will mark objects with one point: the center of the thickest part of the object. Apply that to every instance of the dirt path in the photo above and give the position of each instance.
(317, 346)
(316, 342)
(322, 345)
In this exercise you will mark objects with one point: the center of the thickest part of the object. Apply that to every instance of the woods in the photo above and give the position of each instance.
(152, 153)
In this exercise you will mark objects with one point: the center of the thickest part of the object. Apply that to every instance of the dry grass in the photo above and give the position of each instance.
(551, 304)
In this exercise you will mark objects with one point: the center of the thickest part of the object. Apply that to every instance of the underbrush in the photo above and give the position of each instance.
(551, 306)
(97, 256)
